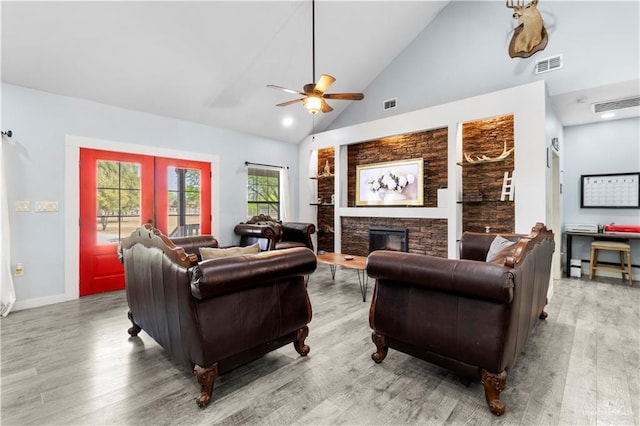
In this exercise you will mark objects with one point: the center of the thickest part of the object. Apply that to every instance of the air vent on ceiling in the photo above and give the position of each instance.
(549, 64)
(390, 103)
(633, 101)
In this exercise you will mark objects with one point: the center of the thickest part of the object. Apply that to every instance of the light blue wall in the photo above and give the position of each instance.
(463, 53)
(607, 147)
(35, 170)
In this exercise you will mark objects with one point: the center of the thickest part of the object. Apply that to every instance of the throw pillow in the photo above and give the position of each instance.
(217, 253)
(499, 250)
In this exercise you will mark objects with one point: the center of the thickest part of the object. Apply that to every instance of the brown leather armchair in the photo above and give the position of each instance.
(470, 316)
(217, 314)
(274, 234)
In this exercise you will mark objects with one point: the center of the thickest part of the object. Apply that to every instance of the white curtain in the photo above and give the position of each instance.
(285, 195)
(7, 291)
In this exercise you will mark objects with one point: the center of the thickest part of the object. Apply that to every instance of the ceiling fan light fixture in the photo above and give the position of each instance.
(314, 93)
(313, 104)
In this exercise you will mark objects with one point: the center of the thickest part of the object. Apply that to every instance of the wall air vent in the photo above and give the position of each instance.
(549, 64)
(633, 101)
(390, 103)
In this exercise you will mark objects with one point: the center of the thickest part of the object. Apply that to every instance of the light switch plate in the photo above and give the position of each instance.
(46, 206)
(23, 206)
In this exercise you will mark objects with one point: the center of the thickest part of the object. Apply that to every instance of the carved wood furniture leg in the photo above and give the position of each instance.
(543, 314)
(206, 376)
(381, 347)
(134, 329)
(301, 348)
(493, 385)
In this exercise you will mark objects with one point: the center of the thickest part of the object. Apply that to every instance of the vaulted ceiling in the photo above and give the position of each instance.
(206, 62)
(209, 62)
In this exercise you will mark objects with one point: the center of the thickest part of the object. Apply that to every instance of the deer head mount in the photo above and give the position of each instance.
(530, 36)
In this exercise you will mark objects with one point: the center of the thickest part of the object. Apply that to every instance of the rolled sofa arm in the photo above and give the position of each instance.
(230, 274)
(192, 244)
(255, 230)
(297, 231)
(463, 277)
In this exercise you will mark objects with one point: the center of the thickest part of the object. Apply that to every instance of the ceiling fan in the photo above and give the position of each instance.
(313, 94)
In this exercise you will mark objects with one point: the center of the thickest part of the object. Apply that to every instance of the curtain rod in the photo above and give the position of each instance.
(246, 163)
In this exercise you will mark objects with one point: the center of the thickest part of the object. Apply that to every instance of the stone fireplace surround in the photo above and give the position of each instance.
(426, 236)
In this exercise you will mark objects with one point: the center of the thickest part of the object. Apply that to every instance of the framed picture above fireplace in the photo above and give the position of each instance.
(390, 183)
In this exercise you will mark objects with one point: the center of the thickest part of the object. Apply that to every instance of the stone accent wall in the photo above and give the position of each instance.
(426, 236)
(482, 183)
(431, 145)
(326, 209)
(482, 186)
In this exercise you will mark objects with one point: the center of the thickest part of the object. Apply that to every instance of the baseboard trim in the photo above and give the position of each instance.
(40, 301)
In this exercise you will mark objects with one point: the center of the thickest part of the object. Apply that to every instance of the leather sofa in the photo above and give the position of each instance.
(274, 234)
(217, 314)
(467, 315)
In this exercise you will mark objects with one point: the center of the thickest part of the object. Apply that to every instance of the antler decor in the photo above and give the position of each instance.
(484, 159)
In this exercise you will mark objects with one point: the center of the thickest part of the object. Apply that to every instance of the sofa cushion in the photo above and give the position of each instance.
(500, 249)
(217, 253)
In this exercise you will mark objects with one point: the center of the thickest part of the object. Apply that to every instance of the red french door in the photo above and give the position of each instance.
(182, 196)
(119, 192)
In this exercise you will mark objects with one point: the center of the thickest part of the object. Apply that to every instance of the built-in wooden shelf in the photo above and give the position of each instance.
(480, 201)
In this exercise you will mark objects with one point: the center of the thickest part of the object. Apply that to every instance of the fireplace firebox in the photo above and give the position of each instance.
(383, 238)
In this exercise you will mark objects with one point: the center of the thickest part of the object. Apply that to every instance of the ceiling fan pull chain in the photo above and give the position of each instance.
(313, 40)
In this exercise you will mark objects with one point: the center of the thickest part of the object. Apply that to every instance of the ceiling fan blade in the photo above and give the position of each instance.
(323, 84)
(324, 106)
(289, 102)
(273, 86)
(344, 96)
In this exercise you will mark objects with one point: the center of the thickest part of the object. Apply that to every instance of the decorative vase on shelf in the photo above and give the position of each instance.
(327, 169)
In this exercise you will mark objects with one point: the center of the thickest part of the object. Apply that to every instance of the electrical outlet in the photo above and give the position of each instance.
(23, 206)
(19, 270)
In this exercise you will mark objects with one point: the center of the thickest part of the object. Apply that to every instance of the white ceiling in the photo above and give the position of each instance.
(206, 61)
(210, 61)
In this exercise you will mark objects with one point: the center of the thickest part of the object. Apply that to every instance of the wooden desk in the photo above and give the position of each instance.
(359, 263)
(605, 236)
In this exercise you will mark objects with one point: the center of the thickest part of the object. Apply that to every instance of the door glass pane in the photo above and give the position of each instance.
(183, 201)
(118, 200)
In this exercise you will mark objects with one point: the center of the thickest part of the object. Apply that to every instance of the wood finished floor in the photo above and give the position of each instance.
(74, 363)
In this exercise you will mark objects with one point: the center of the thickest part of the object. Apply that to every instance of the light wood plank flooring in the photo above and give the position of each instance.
(74, 363)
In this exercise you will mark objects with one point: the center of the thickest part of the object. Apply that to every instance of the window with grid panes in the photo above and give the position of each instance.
(263, 192)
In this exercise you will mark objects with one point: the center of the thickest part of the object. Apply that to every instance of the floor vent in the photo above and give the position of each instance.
(549, 64)
(616, 104)
(390, 103)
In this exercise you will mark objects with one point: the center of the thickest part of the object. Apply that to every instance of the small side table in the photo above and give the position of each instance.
(359, 263)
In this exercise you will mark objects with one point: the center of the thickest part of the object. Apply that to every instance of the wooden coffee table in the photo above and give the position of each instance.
(359, 263)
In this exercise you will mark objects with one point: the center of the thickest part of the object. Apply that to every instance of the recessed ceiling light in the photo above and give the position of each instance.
(287, 121)
(607, 115)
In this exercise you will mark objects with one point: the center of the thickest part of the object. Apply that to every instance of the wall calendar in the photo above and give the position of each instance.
(616, 191)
